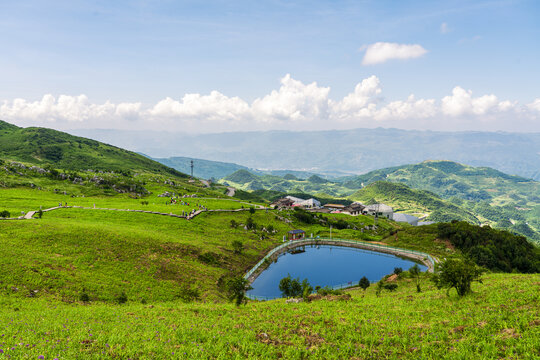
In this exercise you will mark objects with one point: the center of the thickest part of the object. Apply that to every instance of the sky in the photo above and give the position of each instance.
(213, 66)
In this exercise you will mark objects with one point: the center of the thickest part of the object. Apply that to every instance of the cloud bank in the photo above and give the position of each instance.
(293, 106)
(381, 52)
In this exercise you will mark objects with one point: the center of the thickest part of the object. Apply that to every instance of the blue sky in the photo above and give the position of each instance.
(134, 55)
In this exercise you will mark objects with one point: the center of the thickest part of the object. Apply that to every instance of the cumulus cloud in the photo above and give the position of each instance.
(293, 101)
(461, 102)
(381, 52)
(535, 105)
(294, 105)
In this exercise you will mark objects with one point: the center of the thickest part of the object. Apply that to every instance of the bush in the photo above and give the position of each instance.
(252, 210)
(294, 288)
(189, 294)
(84, 297)
(390, 287)
(234, 224)
(414, 271)
(5, 214)
(40, 213)
(122, 298)
(236, 288)
(458, 274)
(328, 291)
(237, 246)
(364, 283)
(398, 270)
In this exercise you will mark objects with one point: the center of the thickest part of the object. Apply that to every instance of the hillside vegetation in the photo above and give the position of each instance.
(41, 146)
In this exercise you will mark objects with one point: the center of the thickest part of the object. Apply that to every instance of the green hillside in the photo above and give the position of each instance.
(449, 179)
(404, 199)
(494, 198)
(115, 274)
(289, 183)
(41, 146)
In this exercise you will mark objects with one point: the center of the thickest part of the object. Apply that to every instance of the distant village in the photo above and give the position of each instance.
(354, 209)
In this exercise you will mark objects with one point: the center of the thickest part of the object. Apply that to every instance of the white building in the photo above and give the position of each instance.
(381, 210)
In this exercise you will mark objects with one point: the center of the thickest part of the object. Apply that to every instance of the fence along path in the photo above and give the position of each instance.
(425, 258)
(30, 214)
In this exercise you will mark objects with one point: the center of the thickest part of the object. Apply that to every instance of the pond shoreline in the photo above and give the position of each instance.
(423, 258)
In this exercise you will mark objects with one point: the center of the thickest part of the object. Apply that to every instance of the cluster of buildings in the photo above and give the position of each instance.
(354, 209)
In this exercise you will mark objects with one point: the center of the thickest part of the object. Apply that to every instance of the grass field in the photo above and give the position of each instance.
(499, 321)
(63, 276)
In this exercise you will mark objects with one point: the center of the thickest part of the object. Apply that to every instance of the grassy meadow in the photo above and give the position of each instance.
(99, 284)
(500, 320)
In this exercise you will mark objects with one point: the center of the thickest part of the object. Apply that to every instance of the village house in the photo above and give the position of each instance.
(381, 210)
(354, 209)
(334, 207)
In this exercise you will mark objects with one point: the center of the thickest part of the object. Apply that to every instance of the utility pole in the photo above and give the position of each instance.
(192, 169)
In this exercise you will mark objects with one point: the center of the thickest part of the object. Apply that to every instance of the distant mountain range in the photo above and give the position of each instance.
(207, 169)
(339, 152)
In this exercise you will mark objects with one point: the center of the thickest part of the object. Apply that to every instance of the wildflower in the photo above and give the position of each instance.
(41, 357)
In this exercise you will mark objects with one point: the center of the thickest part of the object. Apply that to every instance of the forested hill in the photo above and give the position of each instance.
(448, 179)
(43, 147)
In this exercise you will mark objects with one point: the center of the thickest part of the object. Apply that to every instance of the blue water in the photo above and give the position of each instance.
(327, 265)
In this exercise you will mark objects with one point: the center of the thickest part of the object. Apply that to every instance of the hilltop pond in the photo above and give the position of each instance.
(327, 265)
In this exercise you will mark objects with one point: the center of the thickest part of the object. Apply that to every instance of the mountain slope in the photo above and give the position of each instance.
(447, 179)
(43, 146)
(404, 199)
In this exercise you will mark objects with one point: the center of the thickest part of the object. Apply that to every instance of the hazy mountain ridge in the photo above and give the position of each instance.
(354, 151)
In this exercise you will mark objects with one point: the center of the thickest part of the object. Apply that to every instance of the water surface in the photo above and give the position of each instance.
(327, 265)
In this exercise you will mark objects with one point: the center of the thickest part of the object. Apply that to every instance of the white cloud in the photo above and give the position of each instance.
(535, 105)
(461, 102)
(294, 105)
(293, 101)
(444, 28)
(381, 52)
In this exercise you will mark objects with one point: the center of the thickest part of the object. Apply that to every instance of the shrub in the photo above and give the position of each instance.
(5, 214)
(414, 271)
(236, 288)
(458, 274)
(122, 298)
(40, 213)
(237, 246)
(390, 287)
(234, 224)
(252, 210)
(84, 297)
(189, 294)
(364, 283)
(294, 288)
(398, 270)
(328, 291)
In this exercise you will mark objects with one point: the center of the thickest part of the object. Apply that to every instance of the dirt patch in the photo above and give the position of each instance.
(535, 322)
(392, 278)
(268, 340)
(343, 297)
(482, 324)
(446, 243)
(458, 329)
(509, 333)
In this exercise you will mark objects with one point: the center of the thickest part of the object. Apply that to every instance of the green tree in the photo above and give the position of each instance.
(458, 274)
(237, 288)
(364, 283)
(252, 210)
